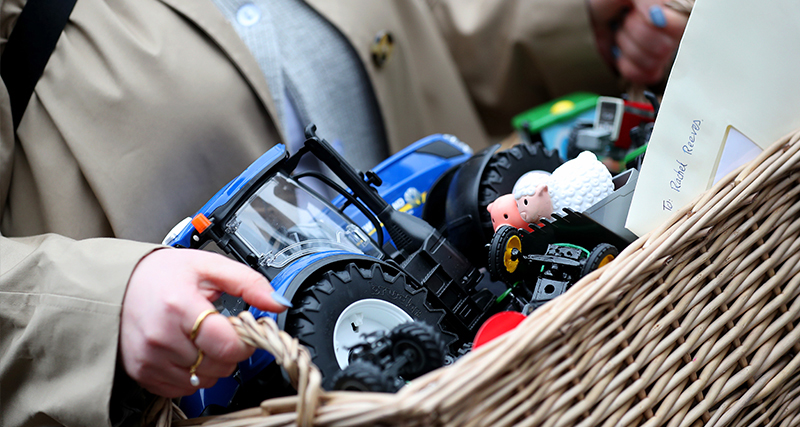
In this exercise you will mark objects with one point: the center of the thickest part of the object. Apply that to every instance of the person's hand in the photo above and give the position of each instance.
(166, 293)
(638, 37)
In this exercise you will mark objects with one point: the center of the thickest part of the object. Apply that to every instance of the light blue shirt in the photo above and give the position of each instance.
(314, 75)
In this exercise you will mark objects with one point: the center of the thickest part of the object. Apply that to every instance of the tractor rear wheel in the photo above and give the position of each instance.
(331, 315)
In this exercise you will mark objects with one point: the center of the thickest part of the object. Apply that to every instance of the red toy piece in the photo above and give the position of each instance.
(497, 325)
(636, 113)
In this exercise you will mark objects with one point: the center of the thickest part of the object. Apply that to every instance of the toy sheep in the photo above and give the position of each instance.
(577, 184)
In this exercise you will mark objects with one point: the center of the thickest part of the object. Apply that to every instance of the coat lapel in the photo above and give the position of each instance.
(211, 21)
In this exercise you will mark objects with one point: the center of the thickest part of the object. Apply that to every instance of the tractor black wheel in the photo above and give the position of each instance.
(433, 211)
(365, 376)
(505, 255)
(421, 344)
(330, 316)
(503, 171)
(601, 255)
(480, 180)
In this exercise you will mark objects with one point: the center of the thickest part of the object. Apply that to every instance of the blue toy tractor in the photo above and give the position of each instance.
(366, 262)
(404, 242)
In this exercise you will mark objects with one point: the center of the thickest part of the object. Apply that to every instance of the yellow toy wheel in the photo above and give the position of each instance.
(606, 260)
(601, 255)
(511, 260)
(505, 254)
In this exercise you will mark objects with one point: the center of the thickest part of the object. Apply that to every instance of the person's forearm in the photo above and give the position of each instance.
(60, 303)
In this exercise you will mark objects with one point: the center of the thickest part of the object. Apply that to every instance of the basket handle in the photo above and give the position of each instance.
(293, 357)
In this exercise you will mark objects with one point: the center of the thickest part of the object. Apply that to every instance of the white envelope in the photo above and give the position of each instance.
(737, 68)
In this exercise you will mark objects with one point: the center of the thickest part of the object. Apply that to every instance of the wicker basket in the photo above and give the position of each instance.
(693, 324)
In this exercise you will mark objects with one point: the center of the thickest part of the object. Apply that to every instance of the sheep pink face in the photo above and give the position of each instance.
(532, 208)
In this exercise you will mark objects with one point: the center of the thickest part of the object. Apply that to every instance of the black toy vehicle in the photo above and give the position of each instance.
(541, 264)
(384, 361)
(538, 277)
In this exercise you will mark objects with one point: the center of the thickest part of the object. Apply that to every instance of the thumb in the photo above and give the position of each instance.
(218, 273)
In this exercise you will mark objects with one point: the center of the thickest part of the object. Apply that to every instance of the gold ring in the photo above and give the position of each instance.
(198, 322)
(193, 380)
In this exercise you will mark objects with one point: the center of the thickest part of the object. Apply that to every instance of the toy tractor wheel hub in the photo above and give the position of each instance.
(410, 350)
(363, 317)
(606, 260)
(511, 256)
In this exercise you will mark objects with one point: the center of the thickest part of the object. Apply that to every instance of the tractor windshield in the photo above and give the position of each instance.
(283, 221)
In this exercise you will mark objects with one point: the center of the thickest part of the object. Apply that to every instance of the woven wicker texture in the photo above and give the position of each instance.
(693, 324)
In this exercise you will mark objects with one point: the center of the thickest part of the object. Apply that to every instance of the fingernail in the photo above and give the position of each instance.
(616, 52)
(280, 299)
(657, 16)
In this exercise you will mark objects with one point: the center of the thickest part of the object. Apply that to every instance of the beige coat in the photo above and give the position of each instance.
(147, 107)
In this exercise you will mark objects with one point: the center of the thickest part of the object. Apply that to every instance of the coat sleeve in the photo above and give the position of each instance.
(516, 54)
(60, 305)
